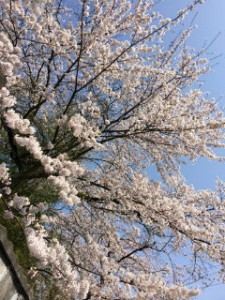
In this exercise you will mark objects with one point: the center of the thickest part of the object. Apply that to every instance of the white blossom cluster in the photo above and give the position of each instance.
(83, 131)
(56, 255)
(5, 178)
(19, 202)
(15, 121)
(9, 59)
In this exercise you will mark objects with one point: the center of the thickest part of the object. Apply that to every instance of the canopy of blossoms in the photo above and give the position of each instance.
(90, 96)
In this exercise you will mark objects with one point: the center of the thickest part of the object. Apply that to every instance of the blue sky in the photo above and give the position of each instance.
(211, 22)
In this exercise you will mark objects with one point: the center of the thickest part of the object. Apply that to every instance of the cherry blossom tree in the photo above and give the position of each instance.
(90, 97)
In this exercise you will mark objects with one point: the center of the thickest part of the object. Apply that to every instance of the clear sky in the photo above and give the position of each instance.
(211, 21)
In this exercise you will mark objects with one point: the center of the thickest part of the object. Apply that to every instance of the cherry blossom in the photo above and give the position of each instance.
(91, 96)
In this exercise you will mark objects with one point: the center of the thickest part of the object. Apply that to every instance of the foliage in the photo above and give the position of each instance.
(91, 96)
